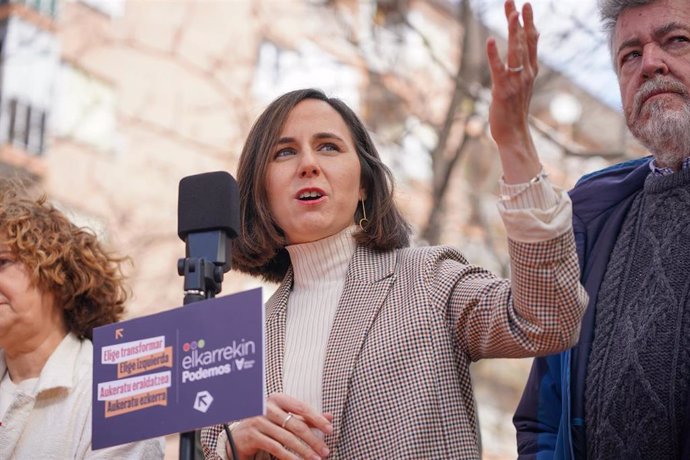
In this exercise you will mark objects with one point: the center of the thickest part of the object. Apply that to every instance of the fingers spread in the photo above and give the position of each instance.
(512, 80)
(522, 44)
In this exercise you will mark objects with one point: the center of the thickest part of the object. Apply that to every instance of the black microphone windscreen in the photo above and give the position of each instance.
(206, 202)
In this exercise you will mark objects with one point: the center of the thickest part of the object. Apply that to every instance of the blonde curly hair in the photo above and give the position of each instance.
(62, 259)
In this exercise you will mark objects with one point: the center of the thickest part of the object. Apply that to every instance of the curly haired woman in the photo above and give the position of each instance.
(56, 284)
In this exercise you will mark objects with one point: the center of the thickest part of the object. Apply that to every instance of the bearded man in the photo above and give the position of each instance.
(622, 392)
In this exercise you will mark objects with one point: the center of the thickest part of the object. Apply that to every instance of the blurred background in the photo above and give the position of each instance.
(107, 104)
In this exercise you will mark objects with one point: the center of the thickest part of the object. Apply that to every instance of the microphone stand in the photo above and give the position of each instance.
(202, 280)
(207, 219)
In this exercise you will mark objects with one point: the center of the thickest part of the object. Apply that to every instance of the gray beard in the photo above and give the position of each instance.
(666, 133)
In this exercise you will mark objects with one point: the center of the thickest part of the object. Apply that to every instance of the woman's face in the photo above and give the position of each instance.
(313, 178)
(25, 311)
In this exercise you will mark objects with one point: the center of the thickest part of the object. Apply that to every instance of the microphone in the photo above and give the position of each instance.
(208, 217)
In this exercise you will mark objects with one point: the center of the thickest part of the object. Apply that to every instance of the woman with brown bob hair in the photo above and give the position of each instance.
(369, 341)
(56, 284)
(260, 247)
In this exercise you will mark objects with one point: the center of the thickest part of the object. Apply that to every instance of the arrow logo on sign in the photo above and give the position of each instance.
(203, 401)
(118, 333)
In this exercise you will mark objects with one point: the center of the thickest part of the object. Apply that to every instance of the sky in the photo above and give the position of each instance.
(570, 41)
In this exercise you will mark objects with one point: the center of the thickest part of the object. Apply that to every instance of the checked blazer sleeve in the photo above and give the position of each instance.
(537, 312)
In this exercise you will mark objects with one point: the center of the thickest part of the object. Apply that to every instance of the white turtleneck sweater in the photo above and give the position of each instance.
(319, 277)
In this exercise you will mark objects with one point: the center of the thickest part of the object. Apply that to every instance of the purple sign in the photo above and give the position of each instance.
(179, 370)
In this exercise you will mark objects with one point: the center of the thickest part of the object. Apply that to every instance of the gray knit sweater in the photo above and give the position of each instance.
(639, 368)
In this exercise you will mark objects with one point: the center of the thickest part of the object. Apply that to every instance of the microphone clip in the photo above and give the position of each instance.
(203, 279)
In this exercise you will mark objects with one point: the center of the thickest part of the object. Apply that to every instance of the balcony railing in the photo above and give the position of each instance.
(23, 126)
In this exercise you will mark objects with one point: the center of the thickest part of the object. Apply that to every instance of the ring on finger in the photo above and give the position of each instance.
(287, 419)
(517, 69)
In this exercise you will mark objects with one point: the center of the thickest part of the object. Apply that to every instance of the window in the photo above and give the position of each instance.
(85, 109)
(23, 126)
(112, 8)
(28, 69)
(35, 143)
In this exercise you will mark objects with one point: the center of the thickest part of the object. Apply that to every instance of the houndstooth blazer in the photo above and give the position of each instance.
(408, 324)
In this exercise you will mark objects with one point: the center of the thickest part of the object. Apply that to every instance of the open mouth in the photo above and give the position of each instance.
(311, 195)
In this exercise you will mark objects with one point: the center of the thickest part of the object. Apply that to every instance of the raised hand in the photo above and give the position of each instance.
(285, 431)
(511, 94)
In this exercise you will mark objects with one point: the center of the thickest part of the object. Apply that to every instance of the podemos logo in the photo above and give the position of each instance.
(200, 365)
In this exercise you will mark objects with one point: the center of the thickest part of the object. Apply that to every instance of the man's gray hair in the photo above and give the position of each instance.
(609, 11)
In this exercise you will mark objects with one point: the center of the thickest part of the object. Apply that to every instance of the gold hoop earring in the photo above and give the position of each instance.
(363, 222)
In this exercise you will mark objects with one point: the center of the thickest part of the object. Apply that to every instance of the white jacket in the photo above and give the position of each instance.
(54, 422)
